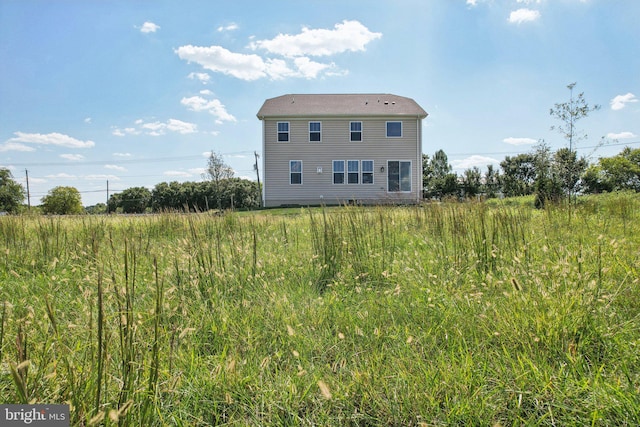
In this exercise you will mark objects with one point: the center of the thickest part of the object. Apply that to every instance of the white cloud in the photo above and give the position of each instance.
(218, 59)
(72, 157)
(122, 154)
(87, 120)
(310, 69)
(149, 27)
(177, 173)
(347, 36)
(158, 128)
(475, 160)
(621, 135)
(115, 168)
(523, 15)
(125, 131)
(230, 27)
(100, 177)
(61, 176)
(620, 101)
(197, 171)
(519, 141)
(179, 126)
(203, 77)
(58, 139)
(472, 3)
(15, 146)
(530, 1)
(215, 107)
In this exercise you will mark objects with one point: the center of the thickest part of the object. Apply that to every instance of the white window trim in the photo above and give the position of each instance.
(358, 172)
(362, 172)
(344, 172)
(386, 130)
(288, 132)
(400, 177)
(361, 131)
(291, 171)
(309, 129)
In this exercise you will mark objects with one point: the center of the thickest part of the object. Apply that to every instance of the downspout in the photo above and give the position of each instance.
(264, 171)
(419, 158)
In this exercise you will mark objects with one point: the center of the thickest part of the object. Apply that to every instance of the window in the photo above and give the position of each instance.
(295, 172)
(283, 131)
(399, 176)
(353, 171)
(338, 171)
(355, 131)
(315, 131)
(367, 171)
(394, 129)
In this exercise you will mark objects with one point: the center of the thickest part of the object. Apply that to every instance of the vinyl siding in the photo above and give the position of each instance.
(318, 187)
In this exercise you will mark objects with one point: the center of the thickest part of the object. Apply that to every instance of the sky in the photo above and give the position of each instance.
(112, 94)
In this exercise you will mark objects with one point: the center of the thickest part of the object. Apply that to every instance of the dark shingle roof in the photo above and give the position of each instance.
(373, 104)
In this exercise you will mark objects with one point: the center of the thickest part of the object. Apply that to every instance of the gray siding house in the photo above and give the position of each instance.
(335, 149)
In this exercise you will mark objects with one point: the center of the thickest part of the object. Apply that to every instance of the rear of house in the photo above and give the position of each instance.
(335, 149)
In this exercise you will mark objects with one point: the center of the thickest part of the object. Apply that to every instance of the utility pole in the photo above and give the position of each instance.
(107, 196)
(26, 172)
(258, 176)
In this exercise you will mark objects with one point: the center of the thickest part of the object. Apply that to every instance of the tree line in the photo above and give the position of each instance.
(548, 175)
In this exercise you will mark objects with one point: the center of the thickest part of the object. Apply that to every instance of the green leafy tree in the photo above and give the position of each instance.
(217, 171)
(547, 183)
(491, 185)
(62, 201)
(439, 180)
(135, 200)
(568, 168)
(11, 192)
(471, 182)
(518, 175)
(620, 172)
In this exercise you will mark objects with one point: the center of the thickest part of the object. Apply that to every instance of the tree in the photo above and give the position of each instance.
(518, 175)
(11, 192)
(439, 181)
(568, 113)
(491, 182)
(135, 200)
(217, 170)
(471, 182)
(568, 168)
(62, 201)
(620, 172)
(547, 184)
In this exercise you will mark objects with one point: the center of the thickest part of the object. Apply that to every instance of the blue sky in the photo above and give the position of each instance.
(138, 92)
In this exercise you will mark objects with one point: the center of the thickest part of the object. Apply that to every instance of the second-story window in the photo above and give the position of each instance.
(283, 131)
(355, 129)
(315, 131)
(394, 129)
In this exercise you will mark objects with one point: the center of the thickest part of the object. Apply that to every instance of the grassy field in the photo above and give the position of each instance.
(443, 314)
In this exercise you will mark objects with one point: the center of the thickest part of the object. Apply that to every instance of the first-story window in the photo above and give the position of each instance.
(283, 131)
(399, 176)
(338, 171)
(295, 171)
(315, 131)
(367, 171)
(353, 171)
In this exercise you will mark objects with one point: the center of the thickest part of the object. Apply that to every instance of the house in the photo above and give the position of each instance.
(342, 148)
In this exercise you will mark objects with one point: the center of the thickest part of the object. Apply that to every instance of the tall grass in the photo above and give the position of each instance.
(429, 315)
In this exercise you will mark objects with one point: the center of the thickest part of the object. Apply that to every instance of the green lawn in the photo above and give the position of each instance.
(442, 314)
